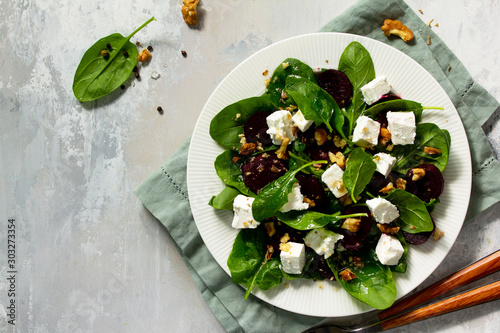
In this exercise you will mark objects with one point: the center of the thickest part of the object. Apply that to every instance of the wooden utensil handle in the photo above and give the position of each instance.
(480, 295)
(479, 269)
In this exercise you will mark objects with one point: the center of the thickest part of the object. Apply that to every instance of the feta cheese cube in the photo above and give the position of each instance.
(332, 177)
(373, 90)
(384, 163)
(402, 127)
(389, 250)
(243, 218)
(322, 241)
(366, 132)
(383, 210)
(294, 259)
(295, 200)
(280, 126)
(302, 123)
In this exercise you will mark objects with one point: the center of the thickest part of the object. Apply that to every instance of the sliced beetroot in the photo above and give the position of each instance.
(353, 240)
(318, 153)
(337, 84)
(382, 119)
(378, 182)
(260, 170)
(320, 265)
(429, 186)
(312, 189)
(255, 128)
(419, 238)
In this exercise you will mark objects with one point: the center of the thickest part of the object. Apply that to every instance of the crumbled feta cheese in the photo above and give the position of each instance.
(294, 259)
(366, 132)
(389, 250)
(322, 241)
(295, 200)
(383, 210)
(384, 163)
(302, 123)
(332, 177)
(373, 90)
(280, 126)
(402, 127)
(243, 218)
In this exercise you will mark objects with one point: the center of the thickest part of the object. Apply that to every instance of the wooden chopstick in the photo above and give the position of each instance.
(475, 271)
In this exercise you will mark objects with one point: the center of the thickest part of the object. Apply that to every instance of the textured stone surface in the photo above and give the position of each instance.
(89, 256)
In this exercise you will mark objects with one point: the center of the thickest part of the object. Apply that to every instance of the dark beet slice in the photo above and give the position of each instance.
(353, 240)
(419, 238)
(321, 152)
(262, 169)
(428, 187)
(312, 189)
(378, 182)
(337, 84)
(382, 119)
(255, 128)
(320, 265)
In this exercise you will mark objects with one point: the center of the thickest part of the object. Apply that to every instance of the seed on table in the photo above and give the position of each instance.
(150, 48)
(134, 69)
(137, 75)
(122, 86)
(160, 110)
(184, 53)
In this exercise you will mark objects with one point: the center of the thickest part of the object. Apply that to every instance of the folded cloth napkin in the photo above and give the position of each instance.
(164, 193)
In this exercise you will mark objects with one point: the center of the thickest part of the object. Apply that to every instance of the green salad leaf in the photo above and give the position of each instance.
(307, 220)
(413, 214)
(98, 73)
(358, 172)
(398, 105)
(224, 200)
(230, 173)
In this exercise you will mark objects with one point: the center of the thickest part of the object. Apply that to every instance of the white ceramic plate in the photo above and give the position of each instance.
(323, 50)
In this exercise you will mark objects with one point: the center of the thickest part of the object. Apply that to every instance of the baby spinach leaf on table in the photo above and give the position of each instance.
(358, 172)
(413, 214)
(224, 200)
(98, 75)
(278, 79)
(373, 285)
(275, 194)
(247, 255)
(307, 220)
(227, 125)
(427, 135)
(314, 102)
(399, 105)
(230, 172)
(357, 64)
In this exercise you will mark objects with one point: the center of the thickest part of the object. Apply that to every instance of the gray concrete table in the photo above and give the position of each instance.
(89, 257)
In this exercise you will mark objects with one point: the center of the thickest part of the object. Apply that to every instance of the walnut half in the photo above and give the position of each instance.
(395, 27)
(189, 12)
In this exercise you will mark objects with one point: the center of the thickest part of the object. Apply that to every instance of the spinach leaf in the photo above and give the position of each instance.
(299, 159)
(275, 194)
(269, 275)
(247, 255)
(358, 172)
(98, 75)
(427, 135)
(307, 220)
(230, 172)
(227, 125)
(413, 214)
(224, 200)
(401, 266)
(398, 105)
(314, 102)
(357, 64)
(373, 285)
(278, 79)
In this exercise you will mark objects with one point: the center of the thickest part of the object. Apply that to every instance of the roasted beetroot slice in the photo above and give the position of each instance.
(377, 183)
(318, 153)
(312, 189)
(382, 119)
(255, 128)
(320, 265)
(419, 238)
(262, 169)
(429, 186)
(337, 84)
(353, 240)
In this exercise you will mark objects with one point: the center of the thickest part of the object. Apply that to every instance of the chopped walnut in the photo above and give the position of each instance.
(235, 159)
(285, 247)
(390, 147)
(347, 275)
(401, 184)
(385, 136)
(265, 72)
(418, 173)
(395, 27)
(387, 229)
(144, 55)
(429, 40)
(269, 253)
(281, 152)
(320, 136)
(310, 202)
(388, 188)
(338, 158)
(271, 230)
(247, 148)
(339, 142)
(189, 12)
(345, 200)
(351, 224)
(431, 151)
(285, 238)
(438, 234)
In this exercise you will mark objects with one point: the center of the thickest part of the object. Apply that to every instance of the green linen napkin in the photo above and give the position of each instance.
(164, 193)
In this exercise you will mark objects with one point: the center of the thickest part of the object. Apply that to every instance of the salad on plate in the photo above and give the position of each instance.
(331, 176)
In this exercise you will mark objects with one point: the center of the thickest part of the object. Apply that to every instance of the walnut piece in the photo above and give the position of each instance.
(320, 136)
(395, 27)
(285, 238)
(401, 184)
(339, 142)
(281, 152)
(144, 55)
(388, 188)
(431, 151)
(338, 158)
(347, 275)
(387, 229)
(271, 230)
(385, 136)
(269, 252)
(438, 234)
(418, 173)
(351, 224)
(189, 12)
(247, 148)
